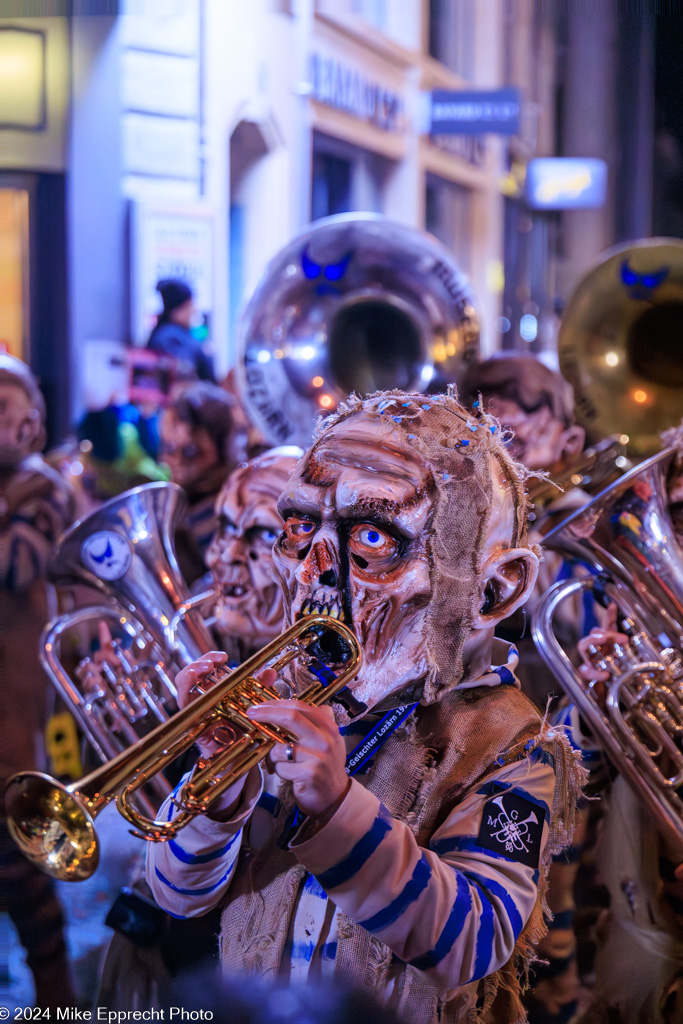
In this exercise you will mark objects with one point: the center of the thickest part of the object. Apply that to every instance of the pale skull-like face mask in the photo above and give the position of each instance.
(20, 424)
(366, 540)
(540, 440)
(249, 607)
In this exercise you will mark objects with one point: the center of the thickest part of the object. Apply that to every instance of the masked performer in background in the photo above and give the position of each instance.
(201, 444)
(35, 507)
(249, 611)
(417, 872)
(534, 403)
(535, 407)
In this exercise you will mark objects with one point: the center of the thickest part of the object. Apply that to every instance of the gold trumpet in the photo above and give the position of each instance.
(54, 824)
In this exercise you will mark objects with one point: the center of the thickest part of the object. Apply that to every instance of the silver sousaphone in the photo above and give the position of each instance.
(355, 303)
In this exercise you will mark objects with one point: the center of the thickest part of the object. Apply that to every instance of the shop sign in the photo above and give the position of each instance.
(566, 183)
(474, 113)
(346, 88)
(170, 242)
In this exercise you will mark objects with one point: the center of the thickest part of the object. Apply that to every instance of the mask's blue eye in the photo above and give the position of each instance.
(370, 539)
(298, 530)
(270, 536)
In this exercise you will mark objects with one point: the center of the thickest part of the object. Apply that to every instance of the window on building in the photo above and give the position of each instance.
(346, 178)
(448, 216)
(331, 191)
(451, 34)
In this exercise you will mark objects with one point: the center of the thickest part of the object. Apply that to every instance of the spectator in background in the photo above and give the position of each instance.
(201, 445)
(172, 335)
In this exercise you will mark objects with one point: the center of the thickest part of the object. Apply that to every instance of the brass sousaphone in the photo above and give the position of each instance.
(621, 344)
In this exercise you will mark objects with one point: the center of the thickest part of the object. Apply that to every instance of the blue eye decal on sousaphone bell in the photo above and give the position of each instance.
(330, 272)
(641, 286)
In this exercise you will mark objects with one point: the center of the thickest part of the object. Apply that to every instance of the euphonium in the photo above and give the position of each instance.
(54, 824)
(626, 535)
(125, 550)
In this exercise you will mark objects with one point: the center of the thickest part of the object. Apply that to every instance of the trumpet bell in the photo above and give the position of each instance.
(51, 827)
(53, 824)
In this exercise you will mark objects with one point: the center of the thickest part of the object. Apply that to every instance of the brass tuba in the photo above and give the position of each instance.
(620, 344)
(125, 550)
(627, 537)
(356, 303)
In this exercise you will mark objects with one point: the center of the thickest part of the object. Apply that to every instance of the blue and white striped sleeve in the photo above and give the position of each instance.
(455, 909)
(189, 875)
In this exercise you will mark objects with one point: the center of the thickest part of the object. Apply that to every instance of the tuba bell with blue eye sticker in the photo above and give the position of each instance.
(356, 303)
(620, 344)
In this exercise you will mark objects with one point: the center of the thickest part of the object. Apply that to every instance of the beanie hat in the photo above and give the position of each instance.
(174, 293)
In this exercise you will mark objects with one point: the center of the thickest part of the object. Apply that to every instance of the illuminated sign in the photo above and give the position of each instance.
(475, 113)
(347, 89)
(22, 79)
(566, 183)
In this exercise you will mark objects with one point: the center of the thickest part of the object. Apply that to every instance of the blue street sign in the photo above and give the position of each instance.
(566, 183)
(475, 113)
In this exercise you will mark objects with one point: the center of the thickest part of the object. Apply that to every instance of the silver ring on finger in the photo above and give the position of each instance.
(289, 752)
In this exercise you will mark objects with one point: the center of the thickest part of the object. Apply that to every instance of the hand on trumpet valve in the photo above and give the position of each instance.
(314, 760)
(191, 682)
(599, 651)
(91, 670)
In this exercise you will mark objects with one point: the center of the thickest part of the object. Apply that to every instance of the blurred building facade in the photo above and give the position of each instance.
(196, 137)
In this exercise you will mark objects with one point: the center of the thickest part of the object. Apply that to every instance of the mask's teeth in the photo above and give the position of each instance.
(342, 615)
(334, 612)
(304, 609)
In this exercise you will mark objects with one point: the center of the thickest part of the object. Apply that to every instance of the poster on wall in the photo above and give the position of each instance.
(170, 241)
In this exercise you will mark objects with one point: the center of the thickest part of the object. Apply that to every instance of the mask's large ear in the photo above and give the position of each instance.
(507, 581)
(573, 440)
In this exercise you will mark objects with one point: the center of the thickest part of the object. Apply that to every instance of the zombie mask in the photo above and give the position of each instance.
(538, 439)
(190, 454)
(22, 411)
(534, 404)
(249, 607)
(406, 520)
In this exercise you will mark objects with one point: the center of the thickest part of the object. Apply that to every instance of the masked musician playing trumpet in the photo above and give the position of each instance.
(405, 851)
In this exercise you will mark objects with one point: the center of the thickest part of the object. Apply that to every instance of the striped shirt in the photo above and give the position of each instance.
(453, 909)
